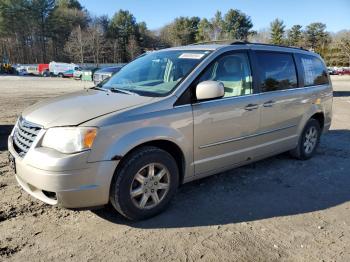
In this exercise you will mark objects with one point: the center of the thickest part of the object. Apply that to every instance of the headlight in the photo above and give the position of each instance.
(70, 139)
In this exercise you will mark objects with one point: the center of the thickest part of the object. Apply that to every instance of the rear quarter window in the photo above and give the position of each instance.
(313, 70)
(277, 71)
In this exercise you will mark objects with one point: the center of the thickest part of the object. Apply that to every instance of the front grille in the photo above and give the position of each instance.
(24, 136)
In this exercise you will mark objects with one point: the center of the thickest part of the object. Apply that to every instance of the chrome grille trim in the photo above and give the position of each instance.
(32, 129)
(24, 135)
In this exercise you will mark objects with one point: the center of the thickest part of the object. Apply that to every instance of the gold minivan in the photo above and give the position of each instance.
(167, 118)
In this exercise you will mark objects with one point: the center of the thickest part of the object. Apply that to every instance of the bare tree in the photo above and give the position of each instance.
(344, 43)
(96, 43)
(261, 36)
(76, 45)
(133, 48)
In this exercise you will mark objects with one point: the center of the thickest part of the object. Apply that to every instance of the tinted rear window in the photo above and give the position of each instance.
(315, 73)
(276, 71)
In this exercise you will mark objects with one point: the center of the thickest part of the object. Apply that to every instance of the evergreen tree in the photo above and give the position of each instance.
(316, 36)
(295, 36)
(205, 29)
(277, 29)
(40, 11)
(237, 25)
(122, 27)
(218, 25)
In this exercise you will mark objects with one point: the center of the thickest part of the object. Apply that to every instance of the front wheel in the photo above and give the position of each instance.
(308, 141)
(145, 183)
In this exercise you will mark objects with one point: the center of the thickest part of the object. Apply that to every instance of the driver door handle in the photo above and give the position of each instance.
(251, 107)
(269, 103)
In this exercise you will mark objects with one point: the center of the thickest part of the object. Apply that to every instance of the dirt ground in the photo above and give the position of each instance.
(275, 209)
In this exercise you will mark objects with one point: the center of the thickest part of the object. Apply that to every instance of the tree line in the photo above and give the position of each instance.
(334, 48)
(39, 31)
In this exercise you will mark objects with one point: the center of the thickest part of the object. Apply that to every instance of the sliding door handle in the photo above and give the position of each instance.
(269, 103)
(251, 107)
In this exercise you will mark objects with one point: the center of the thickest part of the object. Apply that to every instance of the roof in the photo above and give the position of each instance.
(214, 45)
(208, 47)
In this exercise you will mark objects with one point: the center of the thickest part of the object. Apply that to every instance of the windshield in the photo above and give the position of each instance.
(157, 73)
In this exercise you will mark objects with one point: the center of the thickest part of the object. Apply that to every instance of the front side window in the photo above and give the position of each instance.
(315, 73)
(276, 71)
(157, 73)
(233, 70)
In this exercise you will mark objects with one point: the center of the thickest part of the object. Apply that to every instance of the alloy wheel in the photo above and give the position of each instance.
(310, 140)
(150, 185)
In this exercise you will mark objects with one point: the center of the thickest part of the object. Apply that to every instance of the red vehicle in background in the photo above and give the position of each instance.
(43, 69)
(344, 71)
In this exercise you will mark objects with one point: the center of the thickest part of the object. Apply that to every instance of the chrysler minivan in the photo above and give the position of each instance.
(167, 118)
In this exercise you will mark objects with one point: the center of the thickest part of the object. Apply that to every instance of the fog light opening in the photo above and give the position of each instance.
(51, 195)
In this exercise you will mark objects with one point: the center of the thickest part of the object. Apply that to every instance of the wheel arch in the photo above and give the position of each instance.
(315, 112)
(169, 146)
(319, 116)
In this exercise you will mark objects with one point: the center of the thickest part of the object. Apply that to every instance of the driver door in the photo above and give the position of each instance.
(224, 128)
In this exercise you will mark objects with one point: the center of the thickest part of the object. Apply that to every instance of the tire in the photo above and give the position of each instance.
(60, 75)
(137, 167)
(308, 142)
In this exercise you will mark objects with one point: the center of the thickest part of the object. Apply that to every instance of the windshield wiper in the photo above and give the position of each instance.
(119, 90)
(99, 88)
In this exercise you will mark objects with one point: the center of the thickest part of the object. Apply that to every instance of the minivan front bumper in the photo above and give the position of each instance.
(81, 185)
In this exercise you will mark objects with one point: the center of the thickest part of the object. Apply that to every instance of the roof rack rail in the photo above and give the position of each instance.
(223, 41)
(264, 44)
(243, 42)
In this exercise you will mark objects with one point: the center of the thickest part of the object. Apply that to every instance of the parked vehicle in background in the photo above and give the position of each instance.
(87, 74)
(105, 73)
(20, 70)
(6, 68)
(43, 69)
(70, 73)
(33, 70)
(332, 71)
(46, 73)
(62, 69)
(77, 74)
(344, 71)
(171, 117)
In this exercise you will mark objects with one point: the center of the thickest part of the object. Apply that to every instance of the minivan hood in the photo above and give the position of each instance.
(76, 108)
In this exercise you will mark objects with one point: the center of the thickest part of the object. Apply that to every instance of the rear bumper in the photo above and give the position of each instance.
(87, 185)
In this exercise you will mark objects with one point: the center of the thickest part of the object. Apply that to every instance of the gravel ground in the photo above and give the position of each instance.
(275, 209)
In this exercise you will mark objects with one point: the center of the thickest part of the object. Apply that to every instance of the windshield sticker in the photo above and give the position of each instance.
(191, 56)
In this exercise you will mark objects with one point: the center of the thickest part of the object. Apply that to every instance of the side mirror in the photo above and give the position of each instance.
(209, 90)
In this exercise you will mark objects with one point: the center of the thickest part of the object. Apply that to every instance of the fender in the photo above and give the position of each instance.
(125, 143)
(314, 109)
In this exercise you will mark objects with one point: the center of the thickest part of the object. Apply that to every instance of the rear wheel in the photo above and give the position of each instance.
(308, 141)
(145, 183)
